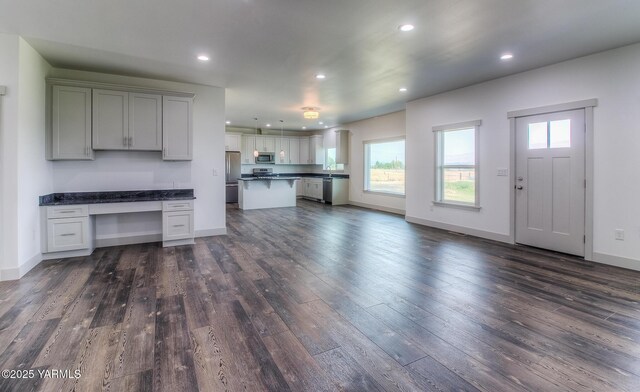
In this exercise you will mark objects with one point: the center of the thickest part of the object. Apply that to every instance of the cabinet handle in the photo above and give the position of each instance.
(178, 205)
(178, 225)
(130, 141)
(67, 211)
(124, 140)
(67, 235)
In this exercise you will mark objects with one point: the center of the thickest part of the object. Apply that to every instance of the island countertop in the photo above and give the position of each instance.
(70, 198)
(267, 178)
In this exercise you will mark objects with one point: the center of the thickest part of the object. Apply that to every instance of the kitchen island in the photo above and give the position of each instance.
(273, 192)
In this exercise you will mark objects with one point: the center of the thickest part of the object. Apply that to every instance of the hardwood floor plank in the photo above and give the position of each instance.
(433, 376)
(173, 356)
(138, 382)
(346, 372)
(114, 302)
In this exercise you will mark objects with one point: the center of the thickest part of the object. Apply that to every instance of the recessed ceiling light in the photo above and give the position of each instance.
(406, 27)
(203, 57)
(326, 126)
(506, 56)
(320, 122)
(321, 76)
(304, 127)
(228, 122)
(268, 125)
(402, 89)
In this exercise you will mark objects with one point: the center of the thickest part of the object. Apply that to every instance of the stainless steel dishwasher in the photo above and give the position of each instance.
(327, 190)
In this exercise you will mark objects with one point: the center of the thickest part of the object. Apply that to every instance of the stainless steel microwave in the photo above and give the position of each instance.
(266, 157)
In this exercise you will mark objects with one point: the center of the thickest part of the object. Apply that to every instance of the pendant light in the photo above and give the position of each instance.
(255, 150)
(281, 135)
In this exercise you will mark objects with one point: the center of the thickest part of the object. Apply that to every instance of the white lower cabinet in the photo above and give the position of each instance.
(68, 228)
(312, 188)
(177, 223)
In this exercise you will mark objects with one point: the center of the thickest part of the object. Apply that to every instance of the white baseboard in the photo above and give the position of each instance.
(461, 229)
(616, 261)
(211, 232)
(392, 210)
(17, 273)
(105, 242)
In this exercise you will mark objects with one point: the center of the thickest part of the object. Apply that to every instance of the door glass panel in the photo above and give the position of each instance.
(537, 135)
(560, 134)
(459, 185)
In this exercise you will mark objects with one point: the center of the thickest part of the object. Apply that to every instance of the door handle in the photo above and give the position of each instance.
(520, 179)
(519, 187)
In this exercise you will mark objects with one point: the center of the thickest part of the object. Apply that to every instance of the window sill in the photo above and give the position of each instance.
(467, 207)
(398, 195)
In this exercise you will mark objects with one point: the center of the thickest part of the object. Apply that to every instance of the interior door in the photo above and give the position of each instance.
(550, 181)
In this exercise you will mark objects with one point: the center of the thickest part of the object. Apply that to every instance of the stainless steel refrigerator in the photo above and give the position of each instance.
(232, 173)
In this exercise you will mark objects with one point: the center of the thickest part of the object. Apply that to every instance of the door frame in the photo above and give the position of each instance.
(588, 106)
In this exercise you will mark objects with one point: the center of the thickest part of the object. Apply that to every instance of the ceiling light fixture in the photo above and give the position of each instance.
(228, 122)
(321, 76)
(281, 136)
(402, 89)
(310, 113)
(406, 27)
(203, 57)
(268, 125)
(255, 150)
(304, 127)
(506, 56)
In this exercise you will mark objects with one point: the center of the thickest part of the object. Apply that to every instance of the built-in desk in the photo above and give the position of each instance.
(68, 219)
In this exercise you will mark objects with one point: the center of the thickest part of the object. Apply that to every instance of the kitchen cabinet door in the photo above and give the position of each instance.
(304, 151)
(110, 120)
(232, 142)
(282, 144)
(294, 151)
(70, 132)
(248, 145)
(316, 150)
(145, 122)
(177, 128)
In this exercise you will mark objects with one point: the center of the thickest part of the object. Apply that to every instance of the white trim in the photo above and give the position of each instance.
(457, 126)
(17, 273)
(368, 206)
(561, 107)
(587, 105)
(616, 261)
(456, 205)
(385, 140)
(3, 90)
(460, 229)
(67, 254)
(211, 232)
(381, 193)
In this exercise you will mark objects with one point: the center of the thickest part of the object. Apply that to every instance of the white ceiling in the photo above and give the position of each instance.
(266, 53)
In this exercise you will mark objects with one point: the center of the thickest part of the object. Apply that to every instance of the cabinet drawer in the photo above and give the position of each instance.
(177, 225)
(67, 234)
(71, 211)
(177, 205)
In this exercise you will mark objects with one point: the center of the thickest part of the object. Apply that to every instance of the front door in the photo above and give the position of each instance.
(550, 181)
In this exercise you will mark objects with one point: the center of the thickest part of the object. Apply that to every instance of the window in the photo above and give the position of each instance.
(551, 134)
(384, 162)
(331, 160)
(457, 164)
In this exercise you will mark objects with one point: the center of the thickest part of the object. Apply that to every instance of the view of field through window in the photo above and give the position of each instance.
(458, 172)
(385, 167)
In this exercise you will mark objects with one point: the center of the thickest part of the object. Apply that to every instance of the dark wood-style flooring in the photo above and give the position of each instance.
(321, 298)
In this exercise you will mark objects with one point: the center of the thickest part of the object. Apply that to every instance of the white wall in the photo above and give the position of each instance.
(611, 77)
(133, 170)
(34, 171)
(382, 127)
(9, 54)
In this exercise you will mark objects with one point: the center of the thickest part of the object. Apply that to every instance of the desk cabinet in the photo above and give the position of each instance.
(68, 228)
(177, 222)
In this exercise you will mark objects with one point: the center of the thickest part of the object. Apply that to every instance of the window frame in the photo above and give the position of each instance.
(366, 175)
(439, 165)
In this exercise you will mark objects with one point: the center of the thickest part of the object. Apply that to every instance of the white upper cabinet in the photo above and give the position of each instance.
(145, 122)
(70, 129)
(110, 120)
(304, 151)
(126, 121)
(294, 151)
(282, 144)
(266, 144)
(177, 128)
(232, 142)
(316, 150)
(248, 145)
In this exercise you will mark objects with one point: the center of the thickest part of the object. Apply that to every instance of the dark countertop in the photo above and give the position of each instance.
(57, 199)
(306, 175)
(268, 179)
